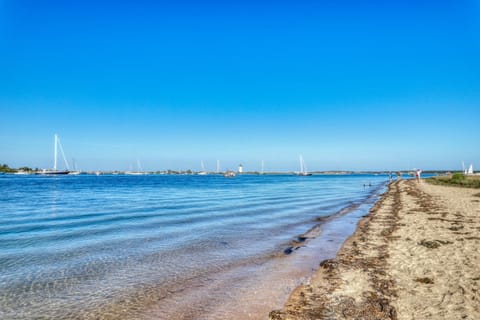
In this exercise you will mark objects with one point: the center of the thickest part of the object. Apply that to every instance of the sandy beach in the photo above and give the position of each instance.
(416, 255)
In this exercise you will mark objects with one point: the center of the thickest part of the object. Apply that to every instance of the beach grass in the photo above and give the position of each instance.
(456, 179)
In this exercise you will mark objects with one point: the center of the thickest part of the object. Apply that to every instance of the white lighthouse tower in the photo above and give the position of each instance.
(240, 168)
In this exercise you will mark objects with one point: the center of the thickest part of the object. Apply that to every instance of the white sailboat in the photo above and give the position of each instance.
(75, 170)
(203, 172)
(55, 153)
(138, 172)
(303, 168)
(470, 169)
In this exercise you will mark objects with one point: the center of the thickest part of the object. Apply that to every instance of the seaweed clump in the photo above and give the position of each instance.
(425, 280)
(433, 244)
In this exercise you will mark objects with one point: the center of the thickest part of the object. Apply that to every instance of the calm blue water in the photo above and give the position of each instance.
(82, 246)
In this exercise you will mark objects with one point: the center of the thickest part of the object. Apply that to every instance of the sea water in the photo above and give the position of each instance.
(168, 246)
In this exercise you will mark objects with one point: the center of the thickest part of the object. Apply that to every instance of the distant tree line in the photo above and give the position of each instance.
(6, 169)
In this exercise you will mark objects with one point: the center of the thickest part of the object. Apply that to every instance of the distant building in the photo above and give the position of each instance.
(240, 168)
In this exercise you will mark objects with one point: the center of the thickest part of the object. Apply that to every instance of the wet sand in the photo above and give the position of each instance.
(415, 256)
(251, 290)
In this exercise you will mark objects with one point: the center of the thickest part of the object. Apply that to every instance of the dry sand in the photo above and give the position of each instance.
(415, 256)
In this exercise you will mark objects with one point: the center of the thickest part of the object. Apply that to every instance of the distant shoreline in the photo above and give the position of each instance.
(5, 169)
(171, 172)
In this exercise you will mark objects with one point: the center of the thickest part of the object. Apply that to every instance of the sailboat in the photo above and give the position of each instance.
(138, 172)
(203, 172)
(75, 170)
(303, 168)
(470, 169)
(54, 170)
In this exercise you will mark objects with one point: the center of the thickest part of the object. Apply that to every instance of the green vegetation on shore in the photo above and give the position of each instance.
(4, 168)
(456, 179)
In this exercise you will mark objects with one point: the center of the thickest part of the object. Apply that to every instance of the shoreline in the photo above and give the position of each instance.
(413, 256)
(273, 278)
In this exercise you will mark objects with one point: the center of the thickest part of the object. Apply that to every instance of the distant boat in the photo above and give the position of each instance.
(139, 171)
(470, 169)
(21, 172)
(134, 173)
(75, 170)
(229, 174)
(203, 172)
(303, 168)
(54, 170)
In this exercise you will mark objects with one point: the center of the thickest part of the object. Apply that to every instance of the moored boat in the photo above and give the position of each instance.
(229, 174)
(203, 172)
(55, 171)
(303, 168)
(139, 171)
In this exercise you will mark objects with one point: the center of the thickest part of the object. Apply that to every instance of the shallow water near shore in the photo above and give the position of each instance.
(168, 247)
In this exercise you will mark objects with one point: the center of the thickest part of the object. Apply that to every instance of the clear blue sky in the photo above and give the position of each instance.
(348, 84)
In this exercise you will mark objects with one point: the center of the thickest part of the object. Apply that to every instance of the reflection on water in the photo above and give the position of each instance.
(163, 246)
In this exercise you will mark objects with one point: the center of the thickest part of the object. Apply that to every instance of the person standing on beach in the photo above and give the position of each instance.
(417, 174)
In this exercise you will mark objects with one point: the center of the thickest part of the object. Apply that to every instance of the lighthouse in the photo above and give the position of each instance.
(240, 168)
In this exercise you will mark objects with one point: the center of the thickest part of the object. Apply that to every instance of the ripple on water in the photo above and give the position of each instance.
(110, 246)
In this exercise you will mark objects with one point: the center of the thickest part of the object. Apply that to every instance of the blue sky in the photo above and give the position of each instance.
(351, 85)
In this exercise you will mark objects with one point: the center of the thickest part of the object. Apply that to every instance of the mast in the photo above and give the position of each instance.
(203, 166)
(218, 166)
(55, 153)
(301, 164)
(262, 166)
